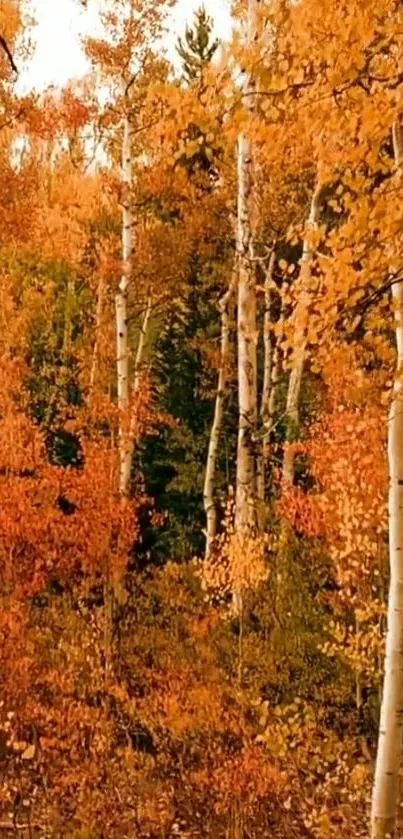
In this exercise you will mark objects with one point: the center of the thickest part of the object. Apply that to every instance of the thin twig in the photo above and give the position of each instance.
(7, 50)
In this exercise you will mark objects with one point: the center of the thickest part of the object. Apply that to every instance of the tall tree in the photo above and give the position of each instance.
(124, 56)
(216, 428)
(246, 489)
(301, 316)
(386, 783)
(122, 346)
(198, 48)
(271, 361)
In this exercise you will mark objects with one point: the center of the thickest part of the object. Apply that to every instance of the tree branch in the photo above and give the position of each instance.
(7, 50)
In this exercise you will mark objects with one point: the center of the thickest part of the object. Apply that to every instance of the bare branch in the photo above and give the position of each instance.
(7, 50)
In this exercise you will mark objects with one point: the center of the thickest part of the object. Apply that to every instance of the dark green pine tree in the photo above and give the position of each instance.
(198, 47)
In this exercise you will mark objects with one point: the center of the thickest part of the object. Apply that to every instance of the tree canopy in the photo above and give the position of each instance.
(201, 433)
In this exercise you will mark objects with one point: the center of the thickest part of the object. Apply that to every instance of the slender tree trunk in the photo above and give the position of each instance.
(141, 347)
(276, 370)
(270, 360)
(216, 428)
(122, 348)
(138, 365)
(300, 341)
(386, 783)
(267, 339)
(246, 500)
(294, 390)
(123, 391)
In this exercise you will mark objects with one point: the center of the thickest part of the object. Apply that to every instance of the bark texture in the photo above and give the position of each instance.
(270, 376)
(294, 388)
(141, 346)
(386, 783)
(269, 288)
(137, 375)
(300, 339)
(246, 480)
(216, 428)
(122, 349)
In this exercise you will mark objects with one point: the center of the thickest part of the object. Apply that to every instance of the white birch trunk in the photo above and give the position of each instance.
(294, 386)
(386, 783)
(267, 339)
(122, 348)
(214, 442)
(300, 341)
(270, 359)
(141, 347)
(246, 501)
(276, 370)
(137, 379)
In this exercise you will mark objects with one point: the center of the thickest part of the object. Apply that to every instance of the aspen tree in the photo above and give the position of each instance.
(386, 783)
(137, 371)
(294, 386)
(122, 367)
(300, 338)
(122, 347)
(246, 479)
(123, 57)
(141, 346)
(267, 340)
(270, 374)
(214, 442)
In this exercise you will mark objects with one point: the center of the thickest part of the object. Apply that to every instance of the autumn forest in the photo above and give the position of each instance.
(201, 427)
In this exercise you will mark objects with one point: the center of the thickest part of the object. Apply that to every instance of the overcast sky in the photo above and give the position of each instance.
(60, 23)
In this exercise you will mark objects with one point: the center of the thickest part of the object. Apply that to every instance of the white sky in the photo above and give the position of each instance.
(60, 23)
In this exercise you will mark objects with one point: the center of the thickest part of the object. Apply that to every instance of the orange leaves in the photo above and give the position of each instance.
(129, 30)
(168, 743)
(304, 513)
(247, 778)
(54, 522)
(349, 461)
(237, 563)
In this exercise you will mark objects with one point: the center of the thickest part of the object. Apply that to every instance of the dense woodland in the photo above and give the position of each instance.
(201, 423)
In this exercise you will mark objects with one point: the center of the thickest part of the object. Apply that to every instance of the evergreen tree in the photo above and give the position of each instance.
(198, 48)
